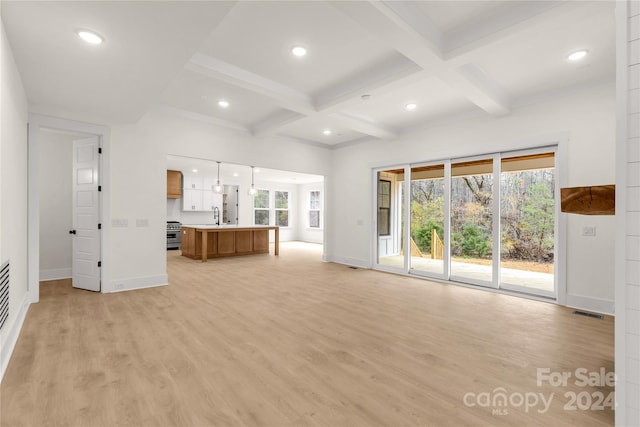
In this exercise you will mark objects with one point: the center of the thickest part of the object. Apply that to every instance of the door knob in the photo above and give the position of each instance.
(72, 231)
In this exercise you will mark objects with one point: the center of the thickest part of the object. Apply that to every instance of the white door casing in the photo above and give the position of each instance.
(86, 215)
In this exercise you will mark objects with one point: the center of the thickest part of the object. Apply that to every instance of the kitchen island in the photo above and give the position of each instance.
(226, 240)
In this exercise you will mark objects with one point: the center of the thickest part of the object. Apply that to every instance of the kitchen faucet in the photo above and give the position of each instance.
(216, 215)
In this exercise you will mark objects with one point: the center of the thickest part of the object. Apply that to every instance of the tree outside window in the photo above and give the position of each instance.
(282, 208)
(314, 209)
(261, 207)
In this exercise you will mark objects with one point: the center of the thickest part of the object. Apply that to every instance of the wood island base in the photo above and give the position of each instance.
(227, 241)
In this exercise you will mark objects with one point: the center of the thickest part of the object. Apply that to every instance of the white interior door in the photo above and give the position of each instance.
(86, 215)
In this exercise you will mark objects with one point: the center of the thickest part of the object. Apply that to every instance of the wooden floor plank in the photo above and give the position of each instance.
(291, 341)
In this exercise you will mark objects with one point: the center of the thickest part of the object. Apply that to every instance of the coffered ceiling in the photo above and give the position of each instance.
(365, 61)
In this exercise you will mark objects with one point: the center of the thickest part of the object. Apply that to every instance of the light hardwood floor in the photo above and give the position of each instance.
(291, 341)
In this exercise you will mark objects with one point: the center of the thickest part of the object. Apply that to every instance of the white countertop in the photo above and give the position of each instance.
(224, 226)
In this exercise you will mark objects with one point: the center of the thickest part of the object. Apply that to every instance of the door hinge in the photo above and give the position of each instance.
(99, 187)
(99, 150)
(99, 226)
(99, 263)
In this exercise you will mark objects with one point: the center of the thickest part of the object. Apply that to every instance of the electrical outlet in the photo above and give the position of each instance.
(589, 231)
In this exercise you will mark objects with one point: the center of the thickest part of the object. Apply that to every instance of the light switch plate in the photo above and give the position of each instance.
(120, 223)
(589, 231)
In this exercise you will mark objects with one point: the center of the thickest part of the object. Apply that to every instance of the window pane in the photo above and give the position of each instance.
(427, 219)
(384, 220)
(261, 217)
(314, 219)
(384, 205)
(282, 218)
(527, 219)
(261, 199)
(384, 194)
(314, 200)
(472, 220)
(282, 199)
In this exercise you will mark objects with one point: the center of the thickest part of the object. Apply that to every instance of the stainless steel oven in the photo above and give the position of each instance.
(174, 235)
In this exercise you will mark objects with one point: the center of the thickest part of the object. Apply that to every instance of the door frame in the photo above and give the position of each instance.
(37, 122)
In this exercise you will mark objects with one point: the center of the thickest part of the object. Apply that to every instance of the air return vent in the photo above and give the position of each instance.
(4, 293)
(587, 314)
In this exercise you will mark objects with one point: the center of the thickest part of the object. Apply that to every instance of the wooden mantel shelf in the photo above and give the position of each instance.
(596, 200)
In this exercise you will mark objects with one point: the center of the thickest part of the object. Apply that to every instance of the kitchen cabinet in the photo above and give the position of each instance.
(201, 200)
(193, 182)
(192, 200)
(174, 184)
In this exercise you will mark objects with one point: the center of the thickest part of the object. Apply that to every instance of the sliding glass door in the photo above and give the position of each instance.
(488, 221)
(527, 225)
(427, 219)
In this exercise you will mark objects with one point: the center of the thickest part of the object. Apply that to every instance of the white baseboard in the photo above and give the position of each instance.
(349, 261)
(55, 274)
(597, 305)
(122, 285)
(11, 338)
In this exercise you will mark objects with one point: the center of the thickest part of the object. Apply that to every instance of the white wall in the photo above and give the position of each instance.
(13, 191)
(55, 204)
(627, 334)
(304, 233)
(586, 116)
(138, 183)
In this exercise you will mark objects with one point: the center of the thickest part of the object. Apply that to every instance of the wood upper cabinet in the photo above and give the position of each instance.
(174, 184)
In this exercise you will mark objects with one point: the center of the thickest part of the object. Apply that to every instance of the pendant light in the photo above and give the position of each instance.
(252, 190)
(218, 188)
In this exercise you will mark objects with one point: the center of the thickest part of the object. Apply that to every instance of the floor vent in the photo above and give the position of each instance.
(587, 314)
(352, 267)
(4, 293)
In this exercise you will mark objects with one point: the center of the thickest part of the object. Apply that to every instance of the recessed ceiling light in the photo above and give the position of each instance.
(222, 103)
(235, 174)
(299, 51)
(577, 55)
(411, 106)
(194, 170)
(89, 36)
(326, 132)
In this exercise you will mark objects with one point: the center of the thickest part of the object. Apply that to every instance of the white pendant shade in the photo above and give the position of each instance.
(218, 187)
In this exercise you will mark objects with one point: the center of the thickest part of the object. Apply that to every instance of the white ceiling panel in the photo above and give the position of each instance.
(451, 15)
(146, 44)
(200, 94)
(433, 99)
(534, 61)
(258, 36)
(311, 128)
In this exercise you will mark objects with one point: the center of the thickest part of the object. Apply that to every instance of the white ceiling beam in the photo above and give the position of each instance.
(284, 96)
(366, 127)
(179, 112)
(395, 26)
(497, 26)
(479, 88)
(276, 121)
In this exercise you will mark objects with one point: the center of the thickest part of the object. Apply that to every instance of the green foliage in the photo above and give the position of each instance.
(472, 241)
(422, 235)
